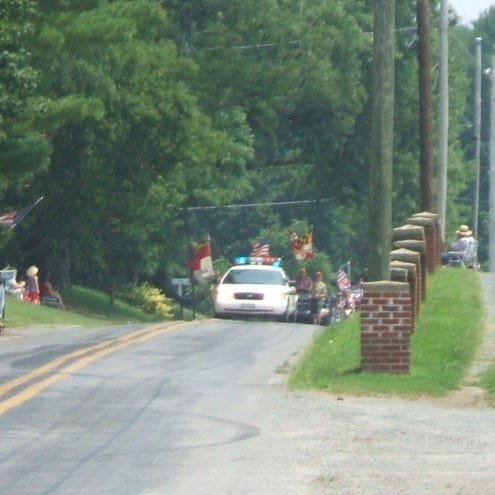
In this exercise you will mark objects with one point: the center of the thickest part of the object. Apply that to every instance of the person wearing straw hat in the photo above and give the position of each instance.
(464, 239)
(32, 292)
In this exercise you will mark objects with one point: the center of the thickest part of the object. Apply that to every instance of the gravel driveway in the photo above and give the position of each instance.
(360, 445)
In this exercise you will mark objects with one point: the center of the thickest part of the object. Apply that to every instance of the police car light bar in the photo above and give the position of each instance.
(264, 260)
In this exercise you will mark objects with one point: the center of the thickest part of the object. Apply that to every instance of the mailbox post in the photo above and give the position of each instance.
(179, 284)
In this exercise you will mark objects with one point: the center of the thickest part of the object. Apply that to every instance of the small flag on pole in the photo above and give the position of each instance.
(261, 248)
(343, 279)
(201, 263)
(13, 218)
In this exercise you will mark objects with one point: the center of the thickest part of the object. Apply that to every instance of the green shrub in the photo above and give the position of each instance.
(149, 299)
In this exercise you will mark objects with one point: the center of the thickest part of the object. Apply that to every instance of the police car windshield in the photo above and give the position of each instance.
(267, 277)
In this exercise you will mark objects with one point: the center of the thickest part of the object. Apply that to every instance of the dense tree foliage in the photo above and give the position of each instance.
(23, 150)
(167, 122)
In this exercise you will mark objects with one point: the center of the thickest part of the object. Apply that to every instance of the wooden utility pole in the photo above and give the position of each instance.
(477, 137)
(443, 117)
(425, 106)
(382, 134)
(491, 209)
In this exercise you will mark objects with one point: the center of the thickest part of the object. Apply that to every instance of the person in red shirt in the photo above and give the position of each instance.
(47, 291)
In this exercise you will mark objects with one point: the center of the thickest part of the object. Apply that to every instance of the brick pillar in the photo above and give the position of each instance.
(408, 231)
(431, 239)
(409, 256)
(437, 233)
(396, 275)
(418, 247)
(386, 327)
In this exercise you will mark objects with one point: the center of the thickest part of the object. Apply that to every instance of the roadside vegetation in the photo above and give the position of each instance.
(85, 307)
(446, 337)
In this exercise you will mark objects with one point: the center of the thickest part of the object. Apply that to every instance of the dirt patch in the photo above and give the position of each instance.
(468, 396)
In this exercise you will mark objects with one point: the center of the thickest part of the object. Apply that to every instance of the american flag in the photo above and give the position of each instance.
(13, 218)
(343, 280)
(261, 248)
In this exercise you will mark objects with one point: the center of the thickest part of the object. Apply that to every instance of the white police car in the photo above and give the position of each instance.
(259, 288)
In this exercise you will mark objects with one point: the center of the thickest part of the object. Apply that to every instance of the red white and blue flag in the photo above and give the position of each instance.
(13, 218)
(261, 248)
(343, 279)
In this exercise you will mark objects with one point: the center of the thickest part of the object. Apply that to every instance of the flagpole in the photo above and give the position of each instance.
(4, 300)
(13, 218)
(193, 283)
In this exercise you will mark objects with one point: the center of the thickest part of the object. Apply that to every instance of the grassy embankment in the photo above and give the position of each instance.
(85, 307)
(447, 335)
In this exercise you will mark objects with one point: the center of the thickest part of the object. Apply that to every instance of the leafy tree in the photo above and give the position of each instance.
(130, 142)
(296, 72)
(164, 115)
(23, 150)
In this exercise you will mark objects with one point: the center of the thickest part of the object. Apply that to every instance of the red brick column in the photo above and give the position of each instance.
(386, 327)
(437, 234)
(412, 257)
(408, 231)
(417, 247)
(411, 279)
(431, 239)
(417, 233)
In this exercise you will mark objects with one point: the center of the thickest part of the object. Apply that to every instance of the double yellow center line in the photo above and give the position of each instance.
(32, 383)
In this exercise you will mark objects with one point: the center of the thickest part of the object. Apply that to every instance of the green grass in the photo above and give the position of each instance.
(446, 337)
(487, 382)
(91, 302)
(85, 307)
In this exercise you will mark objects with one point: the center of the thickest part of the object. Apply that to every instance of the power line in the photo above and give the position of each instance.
(253, 205)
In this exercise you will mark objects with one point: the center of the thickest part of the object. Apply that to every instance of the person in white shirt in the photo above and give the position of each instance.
(464, 239)
(15, 288)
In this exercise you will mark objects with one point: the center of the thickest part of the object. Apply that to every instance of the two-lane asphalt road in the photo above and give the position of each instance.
(163, 409)
(202, 408)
